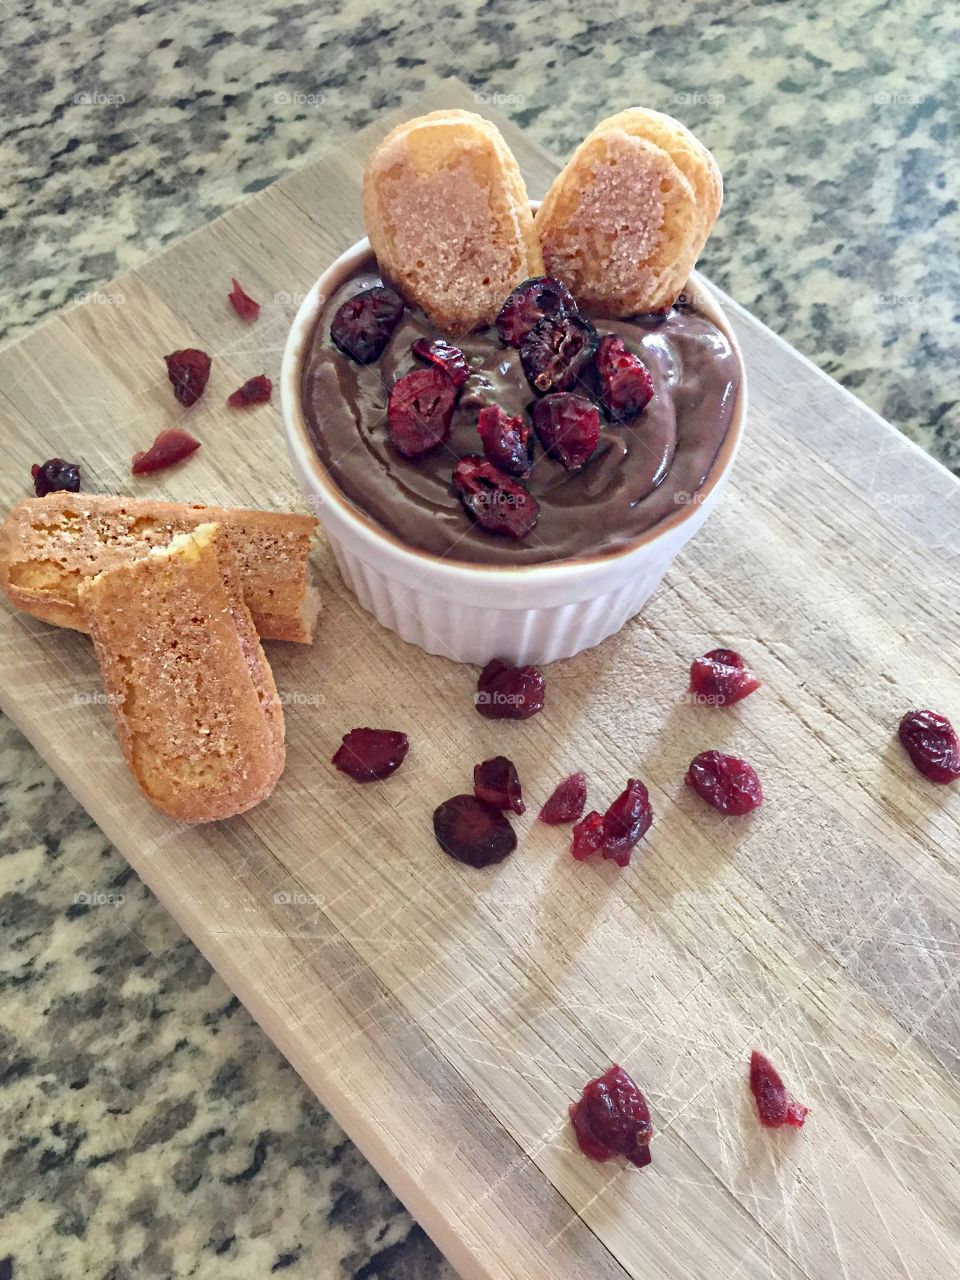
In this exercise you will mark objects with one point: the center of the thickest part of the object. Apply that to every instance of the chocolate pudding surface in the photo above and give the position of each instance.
(640, 473)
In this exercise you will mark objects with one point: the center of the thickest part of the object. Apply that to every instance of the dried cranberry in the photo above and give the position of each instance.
(444, 356)
(254, 391)
(931, 743)
(363, 324)
(497, 503)
(612, 1119)
(729, 784)
(531, 302)
(721, 678)
(507, 442)
(473, 831)
(587, 836)
(566, 803)
(773, 1106)
(615, 833)
(555, 352)
(626, 821)
(626, 387)
(509, 693)
(568, 427)
(370, 755)
(242, 303)
(496, 781)
(188, 371)
(55, 475)
(419, 410)
(170, 446)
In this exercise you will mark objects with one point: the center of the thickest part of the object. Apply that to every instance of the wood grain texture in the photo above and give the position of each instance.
(446, 1017)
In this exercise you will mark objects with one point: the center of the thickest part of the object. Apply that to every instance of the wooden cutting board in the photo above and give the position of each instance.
(447, 1017)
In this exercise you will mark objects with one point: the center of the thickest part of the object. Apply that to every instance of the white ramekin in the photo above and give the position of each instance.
(473, 612)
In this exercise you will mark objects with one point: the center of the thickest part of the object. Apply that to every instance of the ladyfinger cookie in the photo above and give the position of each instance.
(49, 546)
(624, 223)
(449, 218)
(193, 699)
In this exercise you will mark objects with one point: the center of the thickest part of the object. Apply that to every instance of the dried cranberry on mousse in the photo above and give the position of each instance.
(626, 387)
(363, 325)
(496, 502)
(442, 355)
(538, 299)
(568, 427)
(507, 442)
(556, 353)
(419, 410)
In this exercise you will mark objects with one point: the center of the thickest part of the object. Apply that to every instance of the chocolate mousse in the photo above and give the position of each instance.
(661, 425)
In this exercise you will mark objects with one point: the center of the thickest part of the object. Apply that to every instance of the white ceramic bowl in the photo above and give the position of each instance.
(474, 612)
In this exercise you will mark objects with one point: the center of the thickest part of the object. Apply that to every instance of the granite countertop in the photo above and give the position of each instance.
(150, 1129)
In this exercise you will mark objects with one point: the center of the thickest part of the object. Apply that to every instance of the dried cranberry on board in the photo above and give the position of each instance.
(587, 836)
(497, 782)
(443, 356)
(242, 303)
(773, 1106)
(362, 325)
(498, 503)
(931, 742)
(538, 299)
(171, 446)
(473, 831)
(612, 1119)
(615, 834)
(254, 391)
(507, 442)
(726, 782)
(626, 387)
(567, 801)
(505, 692)
(55, 475)
(720, 678)
(568, 427)
(370, 755)
(557, 351)
(419, 410)
(188, 371)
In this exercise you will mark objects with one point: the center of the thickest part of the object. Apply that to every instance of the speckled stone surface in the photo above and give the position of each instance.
(151, 1130)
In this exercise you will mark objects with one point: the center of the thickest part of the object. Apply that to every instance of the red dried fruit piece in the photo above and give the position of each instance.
(932, 744)
(587, 836)
(612, 1119)
(170, 446)
(419, 410)
(473, 831)
(55, 475)
(242, 303)
(566, 803)
(505, 692)
(370, 755)
(773, 1106)
(188, 371)
(720, 678)
(443, 356)
(496, 781)
(626, 821)
(626, 387)
(541, 298)
(556, 352)
(568, 427)
(254, 391)
(362, 325)
(507, 442)
(497, 503)
(615, 833)
(728, 783)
